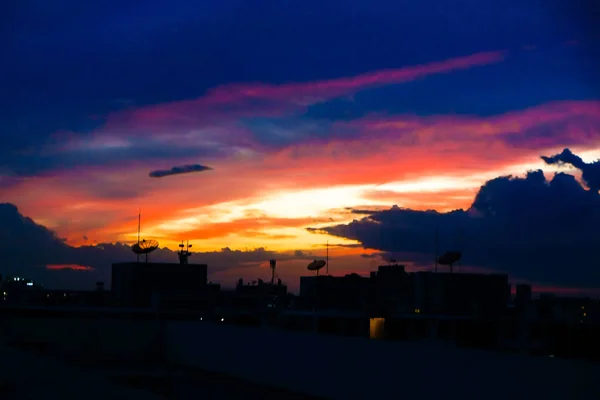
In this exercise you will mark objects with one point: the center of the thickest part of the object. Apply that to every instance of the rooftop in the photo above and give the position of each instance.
(25, 375)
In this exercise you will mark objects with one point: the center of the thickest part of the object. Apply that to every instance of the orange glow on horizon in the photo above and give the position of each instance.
(274, 218)
(73, 267)
(262, 196)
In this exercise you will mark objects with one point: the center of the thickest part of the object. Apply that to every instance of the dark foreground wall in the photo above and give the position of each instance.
(356, 368)
(87, 339)
(319, 365)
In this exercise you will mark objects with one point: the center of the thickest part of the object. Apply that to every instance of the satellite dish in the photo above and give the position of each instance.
(316, 265)
(145, 247)
(449, 258)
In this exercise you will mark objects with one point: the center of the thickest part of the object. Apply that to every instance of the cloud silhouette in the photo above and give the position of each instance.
(590, 172)
(183, 169)
(536, 230)
(33, 251)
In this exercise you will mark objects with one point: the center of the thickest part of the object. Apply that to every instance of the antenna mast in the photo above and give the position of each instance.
(273, 265)
(436, 248)
(139, 227)
(327, 259)
(184, 252)
(460, 234)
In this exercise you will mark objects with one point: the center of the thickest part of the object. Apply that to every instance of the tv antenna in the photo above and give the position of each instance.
(184, 252)
(273, 265)
(460, 245)
(436, 248)
(139, 227)
(327, 259)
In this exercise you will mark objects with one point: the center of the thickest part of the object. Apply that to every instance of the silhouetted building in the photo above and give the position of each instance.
(19, 291)
(253, 304)
(568, 310)
(522, 295)
(350, 292)
(258, 297)
(143, 284)
(205, 298)
(460, 294)
(91, 298)
(392, 291)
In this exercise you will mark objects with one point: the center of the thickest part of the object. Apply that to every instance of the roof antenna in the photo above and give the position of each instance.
(184, 252)
(460, 245)
(273, 265)
(139, 227)
(436, 248)
(327, 259)
(143, 246)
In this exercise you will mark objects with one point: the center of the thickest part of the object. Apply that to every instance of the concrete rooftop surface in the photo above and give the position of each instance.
(25, 375)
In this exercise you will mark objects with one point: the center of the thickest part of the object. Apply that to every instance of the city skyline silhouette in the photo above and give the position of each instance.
(271, 199)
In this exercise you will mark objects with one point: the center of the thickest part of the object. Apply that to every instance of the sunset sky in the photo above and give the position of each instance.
(310, 114)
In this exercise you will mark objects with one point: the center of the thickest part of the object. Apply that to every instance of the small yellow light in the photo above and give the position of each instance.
(417, 311)
(585, 314)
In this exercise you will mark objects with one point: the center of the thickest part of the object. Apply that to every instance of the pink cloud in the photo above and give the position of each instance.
(310, 93)
(406, 146)
(212, 117)
(95, 201)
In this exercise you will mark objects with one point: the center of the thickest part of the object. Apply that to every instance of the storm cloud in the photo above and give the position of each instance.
(590, 172)
(535, 229)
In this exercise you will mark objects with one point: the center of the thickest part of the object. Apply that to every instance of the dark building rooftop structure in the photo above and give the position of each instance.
(460, 293)
(19, 290)
(349, 292)
(392, 291)
(255, 303)
(136, 284)
(522, 295)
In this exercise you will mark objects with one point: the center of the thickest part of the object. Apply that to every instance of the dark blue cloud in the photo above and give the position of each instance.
(69, 64)
(163, 50)
(523, 80)
(536, 230)
(35, 161)
(590, 172)
(183, 169)
(556, 133)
